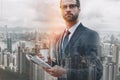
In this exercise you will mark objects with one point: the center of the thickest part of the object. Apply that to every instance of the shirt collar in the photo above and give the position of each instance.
(73, 28)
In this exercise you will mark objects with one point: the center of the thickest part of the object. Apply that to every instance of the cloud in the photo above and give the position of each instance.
(15, 12)
(100, 15)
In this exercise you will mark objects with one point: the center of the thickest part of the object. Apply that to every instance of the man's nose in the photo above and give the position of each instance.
(68, 9)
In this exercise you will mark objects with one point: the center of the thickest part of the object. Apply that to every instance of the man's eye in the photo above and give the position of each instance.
(64, 7)
(72, 6)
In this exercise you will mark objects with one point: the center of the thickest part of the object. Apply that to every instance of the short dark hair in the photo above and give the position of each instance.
(77, 3)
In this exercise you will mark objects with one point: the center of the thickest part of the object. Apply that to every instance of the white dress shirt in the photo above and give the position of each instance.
(72, 29)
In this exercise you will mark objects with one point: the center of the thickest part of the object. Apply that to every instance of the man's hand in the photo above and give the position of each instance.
(55, 71)
(41, 56)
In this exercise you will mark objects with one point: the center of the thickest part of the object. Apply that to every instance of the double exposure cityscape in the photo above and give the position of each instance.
(14, 45)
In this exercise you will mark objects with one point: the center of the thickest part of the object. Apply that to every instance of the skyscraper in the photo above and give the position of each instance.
(9, 45)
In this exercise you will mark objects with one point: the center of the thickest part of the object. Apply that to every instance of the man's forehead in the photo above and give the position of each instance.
(68, 1)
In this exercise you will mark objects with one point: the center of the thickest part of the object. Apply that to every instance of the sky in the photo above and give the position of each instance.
(101, 15)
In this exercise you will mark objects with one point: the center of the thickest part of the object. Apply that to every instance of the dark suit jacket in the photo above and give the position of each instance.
(81, 55)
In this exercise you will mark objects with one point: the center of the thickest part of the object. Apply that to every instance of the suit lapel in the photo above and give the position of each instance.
(74, 37)
(60, 45)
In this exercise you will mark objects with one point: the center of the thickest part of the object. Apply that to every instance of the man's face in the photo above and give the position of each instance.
(70, 10)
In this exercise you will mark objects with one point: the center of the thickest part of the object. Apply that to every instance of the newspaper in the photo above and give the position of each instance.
(35, 59)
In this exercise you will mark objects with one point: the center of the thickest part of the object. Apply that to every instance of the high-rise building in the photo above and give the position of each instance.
(9, 41)
(23, 64)
(115, 53)
(9, 45)
(0, 49)
(6, 62)
(109, 69)
(1, 58)
(36, 72)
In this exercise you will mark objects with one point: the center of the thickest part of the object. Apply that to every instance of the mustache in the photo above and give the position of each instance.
(68, 13)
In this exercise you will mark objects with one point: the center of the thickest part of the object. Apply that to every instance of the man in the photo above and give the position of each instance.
(77, 48)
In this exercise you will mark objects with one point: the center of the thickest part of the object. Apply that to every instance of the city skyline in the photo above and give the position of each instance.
(16, 61)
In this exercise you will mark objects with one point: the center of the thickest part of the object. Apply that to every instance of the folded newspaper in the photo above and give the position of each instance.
(35, 59)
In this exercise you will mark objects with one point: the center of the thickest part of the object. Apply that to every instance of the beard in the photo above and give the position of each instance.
(70, 17)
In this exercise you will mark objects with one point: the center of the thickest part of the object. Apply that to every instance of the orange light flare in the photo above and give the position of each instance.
(56, 24)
